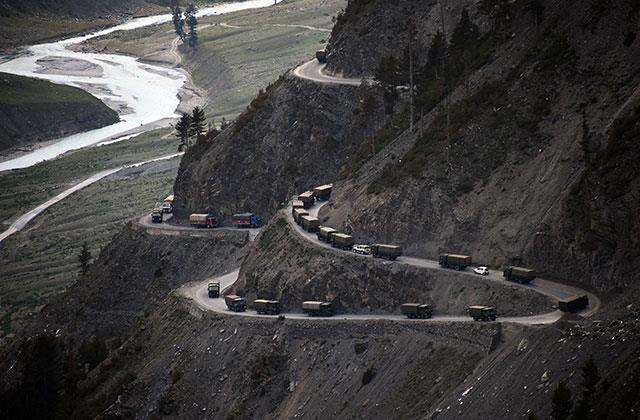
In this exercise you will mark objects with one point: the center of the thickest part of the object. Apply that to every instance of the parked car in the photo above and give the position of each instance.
(482, 270)
(362, 249)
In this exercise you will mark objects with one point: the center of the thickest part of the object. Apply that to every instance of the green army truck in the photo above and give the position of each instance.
(455, 261)
(574, 303)
(323, 192)
(342, 241)
(417, 310)
(235, 303)
(298, 213)
(310, 223)
(482, 313)
(213, 289)
(317, 308)
(266, 306)
(325, 232)
(519, 274)
(296, 204)
(390, 252)
(157, 214)
(307, 199)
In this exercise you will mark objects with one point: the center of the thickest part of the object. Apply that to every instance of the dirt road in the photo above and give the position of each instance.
(23, 220)
(314, 71)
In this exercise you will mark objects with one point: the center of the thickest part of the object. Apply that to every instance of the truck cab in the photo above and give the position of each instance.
(213, 289)
(236, 303)
(167, 204)
(156, 215)
(482, 313)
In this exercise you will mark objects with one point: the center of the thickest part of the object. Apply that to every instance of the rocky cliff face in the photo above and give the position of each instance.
(534, 162)
(286, 267)
(292, 137)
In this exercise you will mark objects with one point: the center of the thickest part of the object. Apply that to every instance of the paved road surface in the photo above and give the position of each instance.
(314, 71)
(198, 292)
(23, 220)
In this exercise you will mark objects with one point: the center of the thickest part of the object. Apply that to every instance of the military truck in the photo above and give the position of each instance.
(298, 213)
(296, 204)
(167, 204)
(482, 313)
(321, 56)
(235, 303)
(266, 307)
(341, 240)
(307, 198)
(390, 252)
(157, 214)
(202, 220)
(416, 310)
(574, 303)
(455, 261)
(323, 192)
(310, 223)
(317, 308)
(519, 274)
(213, 289)
(325, 233)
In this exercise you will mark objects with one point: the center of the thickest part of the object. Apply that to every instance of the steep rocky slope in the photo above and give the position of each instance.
(292, 137)
(33, 110)
(285, 267)
(133, 274)
(534, 163)
(189, 364)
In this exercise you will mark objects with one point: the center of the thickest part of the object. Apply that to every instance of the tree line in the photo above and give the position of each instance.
(189, 18)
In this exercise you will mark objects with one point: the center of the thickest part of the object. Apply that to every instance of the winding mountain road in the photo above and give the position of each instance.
(314, 71)
(198, 292)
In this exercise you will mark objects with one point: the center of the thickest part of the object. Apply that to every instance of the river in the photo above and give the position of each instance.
(145, 94)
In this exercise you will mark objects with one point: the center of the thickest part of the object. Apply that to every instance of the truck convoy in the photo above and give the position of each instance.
(342, 241)
(246, 221)
(266, 307)
(574, 303)
(296, 204)
(167, 204)
(416, 310)
(235, 303)
(201, 220)
(316, 308)
(321, 56)
(390, 252)
(213, 289)
(156, 214)
(482, 313)
(310, 223)
(325, 233)
(323, 192)
(307, 198)
(455, 261)
(519, 274)
(298, 214)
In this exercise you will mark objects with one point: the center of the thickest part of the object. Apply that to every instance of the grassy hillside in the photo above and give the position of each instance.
(41, 261)
(36, 110)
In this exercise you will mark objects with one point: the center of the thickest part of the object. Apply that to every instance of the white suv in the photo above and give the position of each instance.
(482, 270)
(362, 249)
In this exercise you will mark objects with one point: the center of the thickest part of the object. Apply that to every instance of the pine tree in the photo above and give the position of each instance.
(178, 21)
(183, 129)
(198, 123)
(84, 258)
(436, 53)
(192, 23)
(561, 402)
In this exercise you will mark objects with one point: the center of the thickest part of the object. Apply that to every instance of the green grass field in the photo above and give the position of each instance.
(19, 90)
(42, 260)
(24, 189)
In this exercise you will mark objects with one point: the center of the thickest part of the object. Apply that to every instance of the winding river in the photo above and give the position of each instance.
(144, 94)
